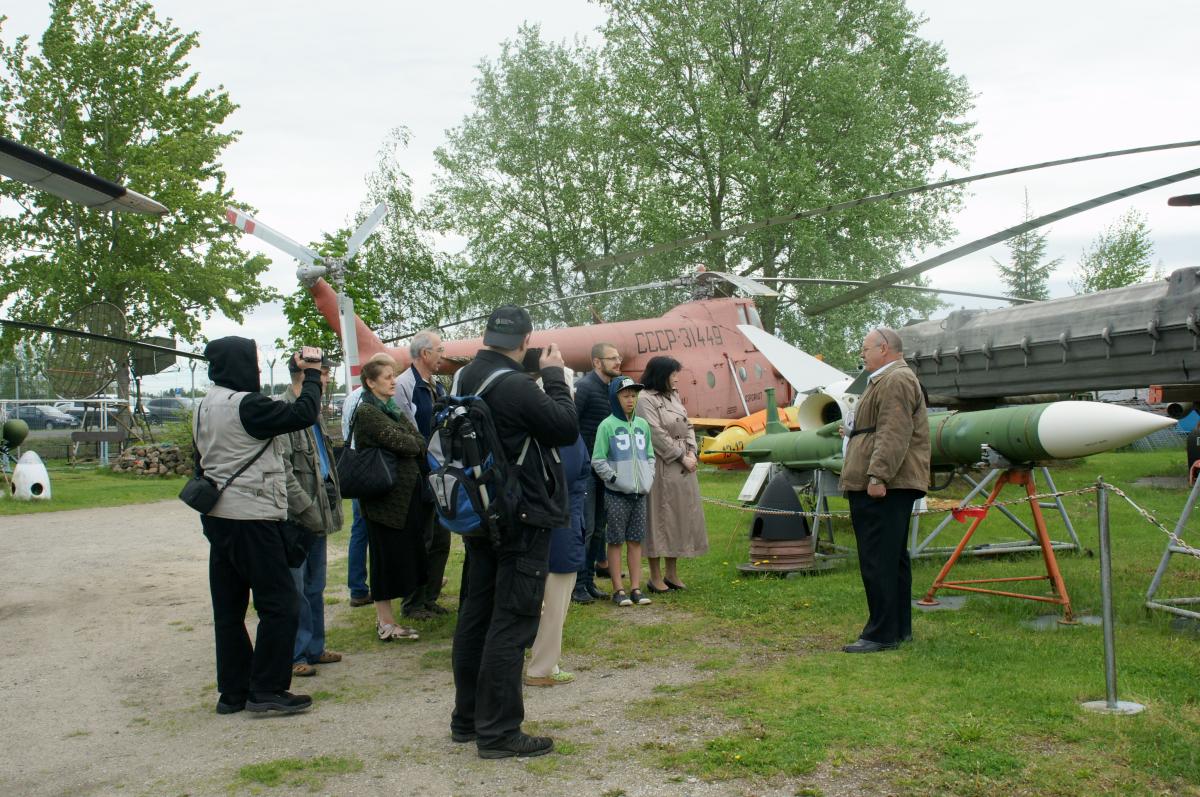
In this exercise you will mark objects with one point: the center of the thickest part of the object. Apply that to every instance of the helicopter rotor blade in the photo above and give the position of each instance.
(917, 288)
(365, 229)
(748, 285)
(982, 243)
(76, 333)
(542, 303)
(252, 226)
(742, 229)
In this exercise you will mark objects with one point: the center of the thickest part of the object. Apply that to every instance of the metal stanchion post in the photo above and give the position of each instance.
(1110, 705)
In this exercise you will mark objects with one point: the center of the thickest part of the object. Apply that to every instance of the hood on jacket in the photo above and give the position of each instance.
(233, 363)
(615, 387)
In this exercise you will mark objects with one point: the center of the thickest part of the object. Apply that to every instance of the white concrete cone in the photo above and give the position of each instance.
(30, 481)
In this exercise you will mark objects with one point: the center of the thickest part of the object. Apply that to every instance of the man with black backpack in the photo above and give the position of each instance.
(504, 574)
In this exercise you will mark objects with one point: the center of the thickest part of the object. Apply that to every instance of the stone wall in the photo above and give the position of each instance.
(158, 460)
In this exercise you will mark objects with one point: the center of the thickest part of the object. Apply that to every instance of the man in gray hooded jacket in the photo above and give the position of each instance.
(237, 427)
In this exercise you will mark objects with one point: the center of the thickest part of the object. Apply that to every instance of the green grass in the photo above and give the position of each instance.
(292, 772)
(88, 489)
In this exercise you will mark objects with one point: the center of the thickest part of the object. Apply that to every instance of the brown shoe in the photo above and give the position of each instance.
(363, 600)
(303, 670)
(328, 657)
(554, 679)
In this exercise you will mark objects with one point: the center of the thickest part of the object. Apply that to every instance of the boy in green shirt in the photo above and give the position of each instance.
(623, 458)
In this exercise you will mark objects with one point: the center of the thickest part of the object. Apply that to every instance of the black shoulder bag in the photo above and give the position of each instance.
(201, 493)
(365, 472)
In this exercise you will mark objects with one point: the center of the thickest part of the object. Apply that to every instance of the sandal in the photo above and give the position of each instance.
(303, 669)
(328, 657)
(387, 632)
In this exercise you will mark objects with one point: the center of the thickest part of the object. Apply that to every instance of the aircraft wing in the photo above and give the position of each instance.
(711, 423)
(72, 184)
(802, 371)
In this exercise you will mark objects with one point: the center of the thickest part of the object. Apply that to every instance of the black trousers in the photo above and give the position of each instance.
(247, 556)
(499, 611)
(437, 546)
(881, 531)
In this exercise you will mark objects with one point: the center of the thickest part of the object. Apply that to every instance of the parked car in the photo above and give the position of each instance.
(167, 410)
(88, 413)
(43, 416)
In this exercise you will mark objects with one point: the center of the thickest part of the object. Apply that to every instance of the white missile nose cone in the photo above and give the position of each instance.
(1068, 429)
(30, 480)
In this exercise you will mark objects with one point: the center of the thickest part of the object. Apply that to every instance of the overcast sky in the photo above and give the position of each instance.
(320, 85)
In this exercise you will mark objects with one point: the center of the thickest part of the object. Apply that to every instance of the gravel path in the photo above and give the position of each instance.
(106, 685)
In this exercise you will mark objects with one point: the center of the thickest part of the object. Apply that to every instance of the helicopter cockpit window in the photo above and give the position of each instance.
(742, 319)
(755, 321)
(742, 373)
(711, 378)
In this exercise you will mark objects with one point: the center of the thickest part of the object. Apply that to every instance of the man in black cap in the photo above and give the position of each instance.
(502, 585)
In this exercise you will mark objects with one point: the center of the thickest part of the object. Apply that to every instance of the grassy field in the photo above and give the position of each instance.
(84, 488)
(979, 704)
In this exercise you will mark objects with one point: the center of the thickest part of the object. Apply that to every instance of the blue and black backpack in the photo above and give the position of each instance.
(474, 485)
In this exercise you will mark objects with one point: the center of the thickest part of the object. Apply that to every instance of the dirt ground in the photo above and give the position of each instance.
(107, 687)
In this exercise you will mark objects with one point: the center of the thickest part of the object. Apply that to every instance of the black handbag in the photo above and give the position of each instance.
(201, 493)
(365, 472)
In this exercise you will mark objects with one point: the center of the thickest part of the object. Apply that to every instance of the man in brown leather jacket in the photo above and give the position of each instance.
(886, 469)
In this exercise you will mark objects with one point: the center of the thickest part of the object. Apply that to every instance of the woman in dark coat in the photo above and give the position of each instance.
(398, 557)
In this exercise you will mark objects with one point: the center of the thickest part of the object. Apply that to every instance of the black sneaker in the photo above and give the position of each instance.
(522, 745)
(231, 704)
(596, 592)
(581, 595)
(281, 701)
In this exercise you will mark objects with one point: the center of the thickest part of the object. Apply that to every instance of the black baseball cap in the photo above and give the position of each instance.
(626, 383)
(507, 327)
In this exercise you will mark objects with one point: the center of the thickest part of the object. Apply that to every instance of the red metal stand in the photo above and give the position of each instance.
(1058, 589)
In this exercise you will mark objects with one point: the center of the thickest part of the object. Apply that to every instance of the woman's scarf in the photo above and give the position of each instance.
(389, 407)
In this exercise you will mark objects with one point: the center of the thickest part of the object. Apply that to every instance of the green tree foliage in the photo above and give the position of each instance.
(398, 281)
(1027, 276)
(537, 179)
(758, 108)
(698, 115)
(110, 90)
(1118, 257)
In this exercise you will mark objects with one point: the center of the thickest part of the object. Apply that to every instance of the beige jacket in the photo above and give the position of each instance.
(897, 451)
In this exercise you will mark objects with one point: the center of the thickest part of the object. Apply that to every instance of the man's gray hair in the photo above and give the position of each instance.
(421, 341)
(892, 338)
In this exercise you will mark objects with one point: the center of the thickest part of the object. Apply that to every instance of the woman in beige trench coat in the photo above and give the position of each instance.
(675, 524)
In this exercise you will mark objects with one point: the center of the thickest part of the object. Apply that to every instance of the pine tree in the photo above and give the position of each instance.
(1027, 277)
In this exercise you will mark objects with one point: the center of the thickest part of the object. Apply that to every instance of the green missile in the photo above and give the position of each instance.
(1021, 435)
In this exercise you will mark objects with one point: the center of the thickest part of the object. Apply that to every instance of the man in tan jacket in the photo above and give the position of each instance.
(886, 469)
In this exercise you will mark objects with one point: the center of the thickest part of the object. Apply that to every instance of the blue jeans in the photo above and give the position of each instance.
(356, 565)
(310, 583)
